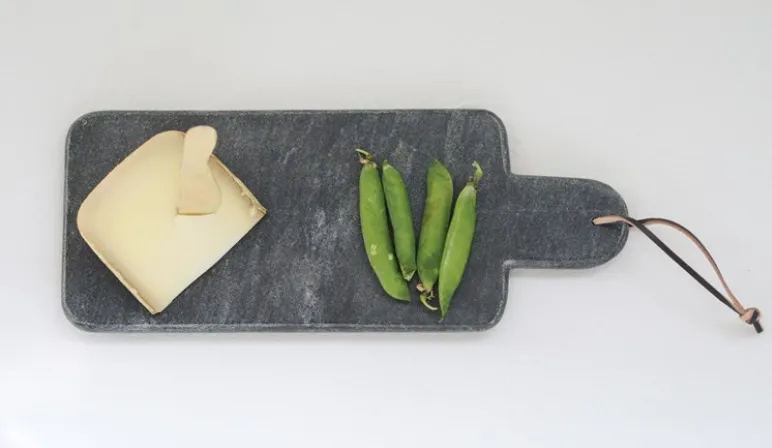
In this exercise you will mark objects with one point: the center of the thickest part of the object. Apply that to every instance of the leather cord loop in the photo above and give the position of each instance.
(751, 316)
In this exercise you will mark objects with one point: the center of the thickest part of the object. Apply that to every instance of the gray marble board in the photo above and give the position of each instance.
(303, 267)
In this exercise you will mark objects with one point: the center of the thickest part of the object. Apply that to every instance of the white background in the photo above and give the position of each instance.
(668, 102)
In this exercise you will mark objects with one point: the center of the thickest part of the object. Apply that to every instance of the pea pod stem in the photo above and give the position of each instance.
(364, 156)
(478, 174)
(425, 296)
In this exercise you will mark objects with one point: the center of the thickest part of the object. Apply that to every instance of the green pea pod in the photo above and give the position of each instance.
(375, 230)
(458, 243)
(401, 217)
(434, 226)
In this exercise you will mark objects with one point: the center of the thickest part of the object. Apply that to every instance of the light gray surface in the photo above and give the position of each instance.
(670, 104)
(303, 266)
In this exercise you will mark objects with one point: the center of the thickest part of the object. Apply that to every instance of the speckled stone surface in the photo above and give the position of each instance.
(303, 267)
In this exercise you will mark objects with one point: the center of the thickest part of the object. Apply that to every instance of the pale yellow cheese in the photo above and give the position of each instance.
(130, 221)
(198, 193)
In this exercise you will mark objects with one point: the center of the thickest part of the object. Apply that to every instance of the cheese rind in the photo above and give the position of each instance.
(130, 221)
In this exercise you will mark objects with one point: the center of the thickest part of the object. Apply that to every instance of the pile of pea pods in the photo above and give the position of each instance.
(445, 239)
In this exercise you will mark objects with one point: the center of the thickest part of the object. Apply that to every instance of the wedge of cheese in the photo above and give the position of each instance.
(131, 221)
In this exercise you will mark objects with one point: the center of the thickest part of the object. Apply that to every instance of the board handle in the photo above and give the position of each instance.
(548, 223)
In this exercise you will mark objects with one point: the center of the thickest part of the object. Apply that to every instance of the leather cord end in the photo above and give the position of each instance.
(751, 317)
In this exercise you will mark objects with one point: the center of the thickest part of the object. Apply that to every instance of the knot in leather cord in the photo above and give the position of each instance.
(751, 316)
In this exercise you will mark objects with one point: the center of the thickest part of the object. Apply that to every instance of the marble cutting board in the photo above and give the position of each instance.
(303, 267)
